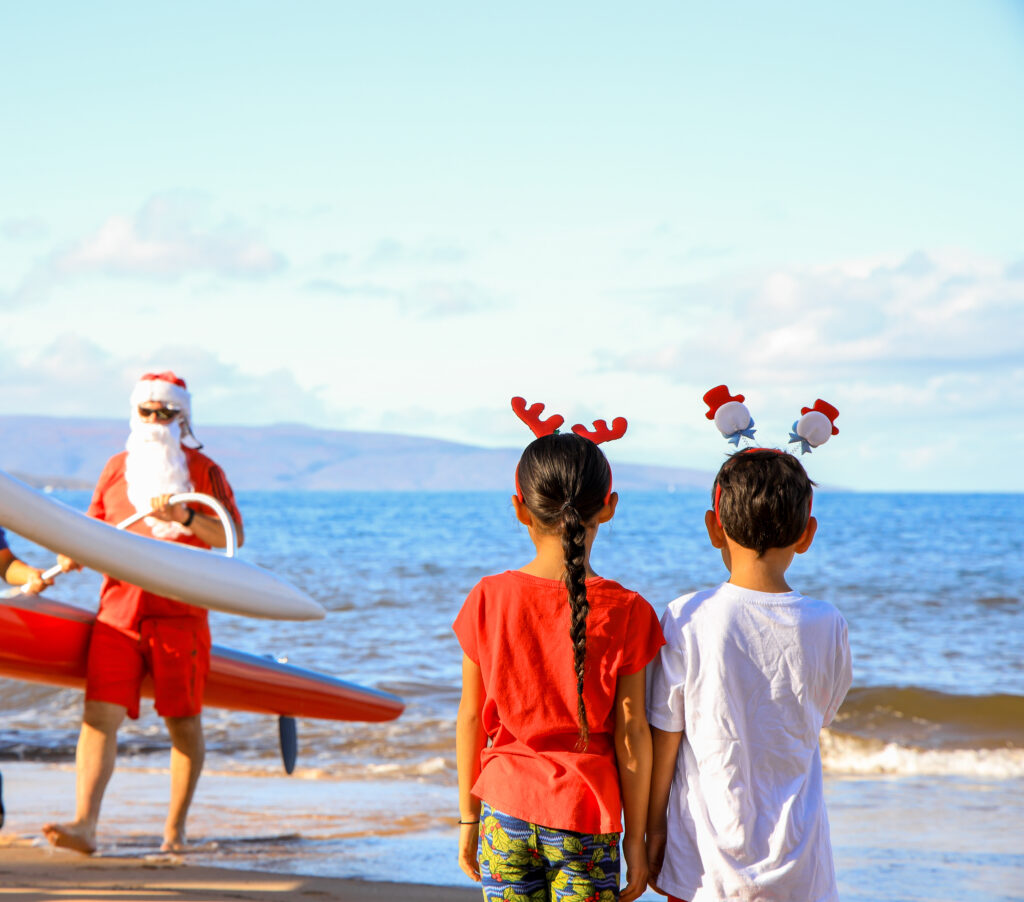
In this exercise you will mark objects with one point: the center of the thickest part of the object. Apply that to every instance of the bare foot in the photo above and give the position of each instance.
(174, 842)
(71, 836)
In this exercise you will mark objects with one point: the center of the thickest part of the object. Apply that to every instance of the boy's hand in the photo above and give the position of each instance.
(635, 853)
(469, 836)
(655, 857)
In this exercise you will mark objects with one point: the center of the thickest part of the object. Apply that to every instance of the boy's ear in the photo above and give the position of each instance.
(523, 514)
(715, 531)
(608, 511)
(804, 542)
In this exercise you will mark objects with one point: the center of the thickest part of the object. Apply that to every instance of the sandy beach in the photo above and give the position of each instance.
(31, 873)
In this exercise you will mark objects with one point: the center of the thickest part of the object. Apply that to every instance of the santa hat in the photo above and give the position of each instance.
(168, 389)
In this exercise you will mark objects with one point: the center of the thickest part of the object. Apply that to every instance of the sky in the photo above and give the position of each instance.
(396, 216)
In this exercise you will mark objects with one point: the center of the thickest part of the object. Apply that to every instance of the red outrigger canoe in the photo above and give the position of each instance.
(45, 641)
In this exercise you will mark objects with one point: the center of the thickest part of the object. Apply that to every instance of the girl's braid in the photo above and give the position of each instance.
(574, 535)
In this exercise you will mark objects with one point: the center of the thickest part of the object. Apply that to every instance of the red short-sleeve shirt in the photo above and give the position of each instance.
(516, 628)
(123, 605)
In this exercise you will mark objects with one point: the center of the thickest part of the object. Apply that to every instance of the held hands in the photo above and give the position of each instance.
(469, 836)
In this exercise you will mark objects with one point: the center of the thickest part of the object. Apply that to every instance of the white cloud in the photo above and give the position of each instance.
(170, 237)
(918, 316)
(425, 300)
(167, 239)
(390, 252)
(73, 376)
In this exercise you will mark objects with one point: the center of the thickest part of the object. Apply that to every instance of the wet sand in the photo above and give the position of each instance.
(30, 873)
(900, 839)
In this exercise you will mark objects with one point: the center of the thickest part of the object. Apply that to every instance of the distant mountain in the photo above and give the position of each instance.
(70, 453)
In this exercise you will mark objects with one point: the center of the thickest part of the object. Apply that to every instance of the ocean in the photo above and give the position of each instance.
(924, 765)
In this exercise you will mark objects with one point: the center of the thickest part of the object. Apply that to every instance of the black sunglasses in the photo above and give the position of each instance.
(164, 414)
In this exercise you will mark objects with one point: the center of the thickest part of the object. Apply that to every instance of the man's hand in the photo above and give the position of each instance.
(66, 564)
(164, 510)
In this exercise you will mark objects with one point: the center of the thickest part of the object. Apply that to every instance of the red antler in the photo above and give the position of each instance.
(531, 416)
(601, 431)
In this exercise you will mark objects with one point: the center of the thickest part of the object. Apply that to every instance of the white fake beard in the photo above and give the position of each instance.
(156, 466)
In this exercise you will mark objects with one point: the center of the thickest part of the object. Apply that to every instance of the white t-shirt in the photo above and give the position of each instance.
(750, 678)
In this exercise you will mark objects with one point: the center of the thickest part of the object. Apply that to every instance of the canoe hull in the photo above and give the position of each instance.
(45, 641)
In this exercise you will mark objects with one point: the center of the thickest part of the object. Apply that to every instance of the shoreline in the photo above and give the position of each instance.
(914, 839)
(32, 873)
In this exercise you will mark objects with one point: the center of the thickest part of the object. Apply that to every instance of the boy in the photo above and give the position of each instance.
(751, 673)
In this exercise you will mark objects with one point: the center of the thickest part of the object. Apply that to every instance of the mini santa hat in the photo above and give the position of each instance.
(168, 389)
(827, 409)
(815, 427)
(729, 413)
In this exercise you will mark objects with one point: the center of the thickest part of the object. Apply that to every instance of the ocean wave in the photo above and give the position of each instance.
(928, 720)
(843, 754)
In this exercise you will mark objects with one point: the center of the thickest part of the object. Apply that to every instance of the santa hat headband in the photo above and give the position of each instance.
(816, 425)
(602, 432)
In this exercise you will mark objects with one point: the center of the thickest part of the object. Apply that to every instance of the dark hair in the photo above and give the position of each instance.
(765, 498)
(564, 481)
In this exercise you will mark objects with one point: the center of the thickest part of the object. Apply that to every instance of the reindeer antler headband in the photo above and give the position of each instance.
(816, 425)
(601, 432)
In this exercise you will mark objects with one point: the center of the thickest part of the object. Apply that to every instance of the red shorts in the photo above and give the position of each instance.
(175, 651)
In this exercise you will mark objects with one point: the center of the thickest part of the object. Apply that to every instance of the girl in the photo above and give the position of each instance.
(551, 721)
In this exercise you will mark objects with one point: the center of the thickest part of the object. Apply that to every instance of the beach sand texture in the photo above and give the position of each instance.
(29, 873)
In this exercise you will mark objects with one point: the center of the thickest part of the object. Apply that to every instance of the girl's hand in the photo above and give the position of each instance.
(469, 837)
(634, 850)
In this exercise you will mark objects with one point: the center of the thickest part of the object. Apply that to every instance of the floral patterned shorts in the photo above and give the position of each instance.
(523, 862)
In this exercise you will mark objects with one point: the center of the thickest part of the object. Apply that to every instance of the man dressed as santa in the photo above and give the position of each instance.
(136, 632)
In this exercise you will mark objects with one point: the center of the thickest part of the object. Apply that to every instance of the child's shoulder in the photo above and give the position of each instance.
(685, 606)
(615, 591)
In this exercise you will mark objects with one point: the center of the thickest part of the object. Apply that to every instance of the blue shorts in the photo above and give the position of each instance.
(520, 859)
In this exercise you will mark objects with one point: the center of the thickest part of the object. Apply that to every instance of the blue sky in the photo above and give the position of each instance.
(395, 216)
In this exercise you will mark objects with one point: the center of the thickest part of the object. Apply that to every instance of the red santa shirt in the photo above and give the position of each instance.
(123, 605)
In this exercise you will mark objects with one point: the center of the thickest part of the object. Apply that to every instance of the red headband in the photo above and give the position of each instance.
(601, 432)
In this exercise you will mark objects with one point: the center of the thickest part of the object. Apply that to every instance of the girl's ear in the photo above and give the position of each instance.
(523, 514)
(608, 511)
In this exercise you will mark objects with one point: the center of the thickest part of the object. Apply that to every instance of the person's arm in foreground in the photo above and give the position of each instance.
(470, 740)
(18, 573)
(666, 751)
(633, 754)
